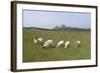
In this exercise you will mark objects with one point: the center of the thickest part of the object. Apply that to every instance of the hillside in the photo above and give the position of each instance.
(60, 29)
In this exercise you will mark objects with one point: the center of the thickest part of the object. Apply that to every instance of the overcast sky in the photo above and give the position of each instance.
(50, 19)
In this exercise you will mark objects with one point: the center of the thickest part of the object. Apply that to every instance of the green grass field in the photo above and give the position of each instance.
(35, 53)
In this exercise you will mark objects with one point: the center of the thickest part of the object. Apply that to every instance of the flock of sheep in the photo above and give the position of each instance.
(50, 43)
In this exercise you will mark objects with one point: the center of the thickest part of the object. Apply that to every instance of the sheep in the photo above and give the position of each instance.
(77, 43)
(67, 44)
(48, 44)
(60, 43)
(35, 40)
(38, 40)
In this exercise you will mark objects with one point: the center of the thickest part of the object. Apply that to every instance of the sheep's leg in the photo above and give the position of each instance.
(78, 45)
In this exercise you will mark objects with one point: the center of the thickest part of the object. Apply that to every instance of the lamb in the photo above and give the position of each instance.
(48, 44)
(60, 43)
(77, 43)
(67, 44)
(38, 40)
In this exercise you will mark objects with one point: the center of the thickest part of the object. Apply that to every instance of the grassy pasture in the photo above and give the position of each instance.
(35, 53)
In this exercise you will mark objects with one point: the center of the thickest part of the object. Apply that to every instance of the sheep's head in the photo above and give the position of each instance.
(35, 41)
(44, 47)
(35, 37)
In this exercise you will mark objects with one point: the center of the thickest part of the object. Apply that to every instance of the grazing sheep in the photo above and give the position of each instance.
(35, 40)
(77, 43)
(67, 44)
(60, 43)
(38, 40)
(48, 44)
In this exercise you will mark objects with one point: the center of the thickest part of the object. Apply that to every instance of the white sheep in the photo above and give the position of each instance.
(48, 44)
(38, 40)
(60, 43)
(77, 43)
(67, 44)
